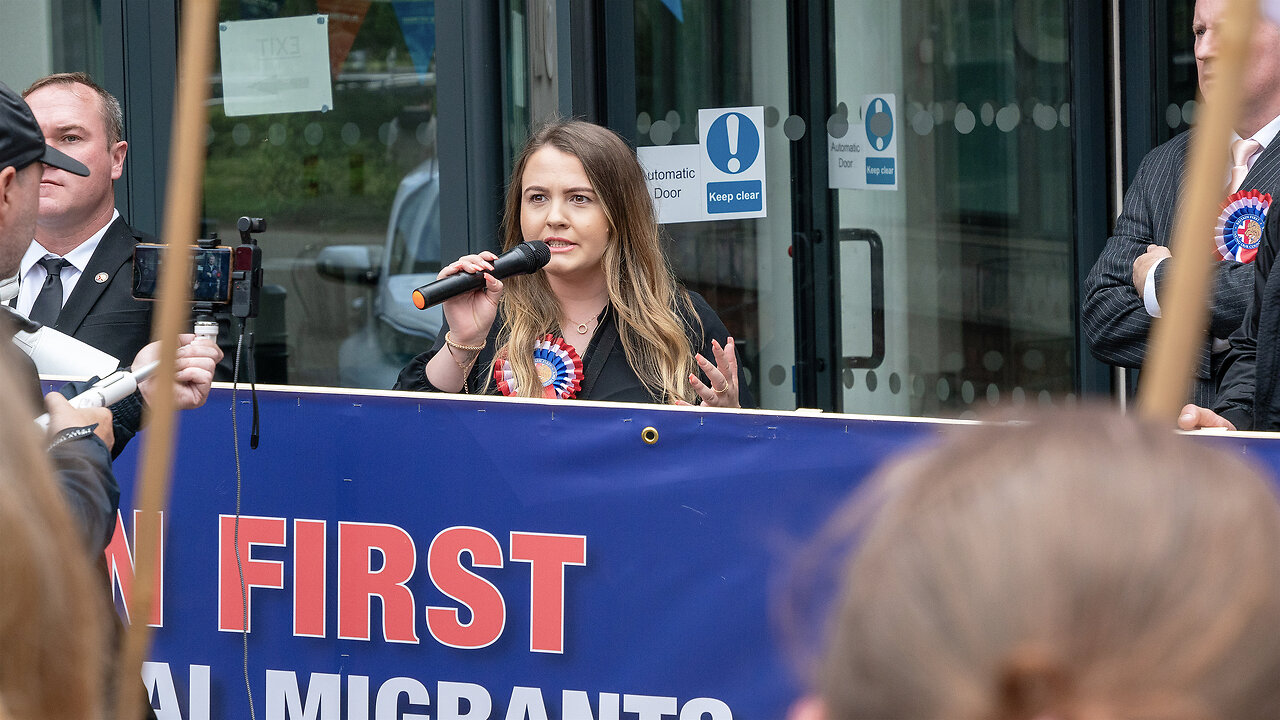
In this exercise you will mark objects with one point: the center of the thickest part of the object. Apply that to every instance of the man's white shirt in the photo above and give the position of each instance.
(31, 273)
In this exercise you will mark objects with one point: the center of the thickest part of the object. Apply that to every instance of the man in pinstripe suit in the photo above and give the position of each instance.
(1122, 292)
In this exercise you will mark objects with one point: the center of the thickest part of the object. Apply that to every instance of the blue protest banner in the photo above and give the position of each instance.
(406, 556)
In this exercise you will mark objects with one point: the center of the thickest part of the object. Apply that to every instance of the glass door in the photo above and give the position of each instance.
(726, 54)
(950, 153)
(349, 183)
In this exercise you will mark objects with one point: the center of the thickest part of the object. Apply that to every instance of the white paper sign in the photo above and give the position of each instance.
(721, 178)
(275, 66)
(866, 158)
(674, 175)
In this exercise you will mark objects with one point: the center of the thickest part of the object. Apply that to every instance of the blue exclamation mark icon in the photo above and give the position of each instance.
(733, 143)
(731, 134)
(733, 146)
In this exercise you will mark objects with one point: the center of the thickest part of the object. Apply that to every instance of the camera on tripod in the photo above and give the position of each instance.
(223, 278)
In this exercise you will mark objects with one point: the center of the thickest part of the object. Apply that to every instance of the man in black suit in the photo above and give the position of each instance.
(1122, 292)
(79, 231)
(1247, 398)
(79, 438)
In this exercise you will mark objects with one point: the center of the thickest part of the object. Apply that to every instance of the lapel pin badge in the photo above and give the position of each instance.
(100, 278)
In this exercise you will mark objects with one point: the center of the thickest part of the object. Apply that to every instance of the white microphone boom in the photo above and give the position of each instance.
(108, 391)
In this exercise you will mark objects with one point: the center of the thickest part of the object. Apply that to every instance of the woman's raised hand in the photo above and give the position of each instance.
(471, 314)
(723, 375)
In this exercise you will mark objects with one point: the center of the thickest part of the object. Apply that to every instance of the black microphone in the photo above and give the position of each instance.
(524, 258)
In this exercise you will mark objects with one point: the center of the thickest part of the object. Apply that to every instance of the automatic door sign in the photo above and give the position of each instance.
(721, 178)
(866, 156)
(674, 176)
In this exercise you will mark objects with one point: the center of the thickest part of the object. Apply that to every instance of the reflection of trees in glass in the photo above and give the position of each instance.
(295, 180)
(380, 34)
(338, 169)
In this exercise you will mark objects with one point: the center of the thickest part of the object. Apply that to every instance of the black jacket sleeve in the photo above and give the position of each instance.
(126, 415)
(414, 375)
(82, 464)
(1238, 382)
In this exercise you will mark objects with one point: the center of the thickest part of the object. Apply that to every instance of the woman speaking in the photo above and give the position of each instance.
(605, 319)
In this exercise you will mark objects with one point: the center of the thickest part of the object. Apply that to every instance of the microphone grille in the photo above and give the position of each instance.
(538, 252)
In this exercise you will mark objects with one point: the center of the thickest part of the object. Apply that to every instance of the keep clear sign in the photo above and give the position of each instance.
(720, 178)
(279, 65)
(866, 156)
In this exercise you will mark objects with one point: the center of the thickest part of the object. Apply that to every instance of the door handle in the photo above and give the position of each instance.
(876, 246)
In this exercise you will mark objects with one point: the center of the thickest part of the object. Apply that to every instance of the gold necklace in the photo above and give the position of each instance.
(583, 327)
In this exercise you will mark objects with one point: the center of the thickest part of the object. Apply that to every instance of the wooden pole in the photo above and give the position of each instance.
(173, 314)
(1177, 339)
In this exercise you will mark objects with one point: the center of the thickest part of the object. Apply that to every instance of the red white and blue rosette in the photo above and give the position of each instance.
(558, 367)
(1240, 225)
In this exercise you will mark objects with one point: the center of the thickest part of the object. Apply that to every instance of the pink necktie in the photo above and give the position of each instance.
(1241, 151)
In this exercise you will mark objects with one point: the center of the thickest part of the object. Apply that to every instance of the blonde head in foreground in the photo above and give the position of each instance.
(1079, 567)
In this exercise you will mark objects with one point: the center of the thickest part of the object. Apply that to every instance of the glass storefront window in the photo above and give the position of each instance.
(977, 238)
(740, 266)
(40, 38)
(978, 233)
(1179, 91)
(351, 197)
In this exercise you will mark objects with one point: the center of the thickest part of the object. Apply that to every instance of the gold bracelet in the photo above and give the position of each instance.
(466, 369)
(448, 340)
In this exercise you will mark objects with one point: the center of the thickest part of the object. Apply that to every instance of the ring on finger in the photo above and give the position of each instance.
(720, 391)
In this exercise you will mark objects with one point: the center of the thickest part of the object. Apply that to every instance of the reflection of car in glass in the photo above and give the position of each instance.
(395, 330)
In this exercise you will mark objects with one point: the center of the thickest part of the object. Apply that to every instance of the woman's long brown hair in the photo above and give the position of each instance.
(647, 301)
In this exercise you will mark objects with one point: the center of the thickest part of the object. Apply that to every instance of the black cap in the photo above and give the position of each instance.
(22, 143)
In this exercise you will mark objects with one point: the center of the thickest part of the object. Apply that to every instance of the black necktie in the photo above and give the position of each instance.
(49, 302)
